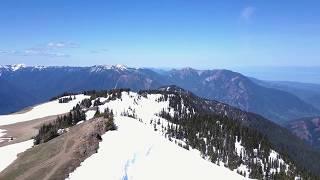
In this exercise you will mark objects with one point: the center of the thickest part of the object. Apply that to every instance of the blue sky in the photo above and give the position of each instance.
(164, 33)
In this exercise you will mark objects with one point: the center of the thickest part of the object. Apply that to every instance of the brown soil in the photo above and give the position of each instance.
(57, 158)
(24, 130)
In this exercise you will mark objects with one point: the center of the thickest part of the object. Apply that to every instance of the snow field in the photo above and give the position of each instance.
(90, 114)
(43, 110)
(9, 153)
(136, 152)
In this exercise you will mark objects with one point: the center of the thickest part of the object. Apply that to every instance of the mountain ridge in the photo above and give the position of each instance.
(223, 85)
(221, 134)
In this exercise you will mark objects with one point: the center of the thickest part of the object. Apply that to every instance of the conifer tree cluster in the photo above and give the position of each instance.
(63, 95)
(50, 130)
(107, 114)
(66, 99)
(97, 102)
(129, 113)
(110, 94)
(86, 103)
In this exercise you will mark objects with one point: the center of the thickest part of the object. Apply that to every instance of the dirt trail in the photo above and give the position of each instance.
(55, 159)
(24, 131)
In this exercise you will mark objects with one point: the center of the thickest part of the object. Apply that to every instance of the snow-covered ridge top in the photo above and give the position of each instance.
(13, 67)
(99, 68)
(43, 110)
(95, 68)
(146, 109)
(16, 67)
(125, 158)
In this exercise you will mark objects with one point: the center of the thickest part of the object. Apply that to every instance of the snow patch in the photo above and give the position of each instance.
(16, 67)
(100, 68)
(239, 148)
(9, 153)
(244, 170)
(90, 114)
(2, 133)
(43, 110)
(80, 122)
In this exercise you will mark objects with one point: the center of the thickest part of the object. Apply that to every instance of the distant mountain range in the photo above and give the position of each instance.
(32, 85)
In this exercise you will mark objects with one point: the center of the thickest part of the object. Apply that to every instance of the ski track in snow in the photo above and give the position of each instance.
(9, 153)
(43, 110)
(135, 152)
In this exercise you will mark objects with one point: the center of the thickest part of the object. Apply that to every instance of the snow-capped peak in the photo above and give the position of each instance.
(13, 67)
(99, 68)
(120, 66)
(16, 67)
(40, 67)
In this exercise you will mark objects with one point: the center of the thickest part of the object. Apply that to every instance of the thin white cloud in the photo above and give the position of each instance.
(57, 45)
(51, 49)
(57, 54)
(34, 52)
(31, 52)
(98, 51)
(10, 52)
(247, 13)
(3, 52)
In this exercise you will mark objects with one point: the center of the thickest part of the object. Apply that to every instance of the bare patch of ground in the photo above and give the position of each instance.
(57, 158)
(23, 131)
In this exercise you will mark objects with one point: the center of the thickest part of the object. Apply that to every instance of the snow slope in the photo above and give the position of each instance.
(145, 110)
(136, 152)
(9, 153)
(2, 133)
(90, 114)
(42, 110)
